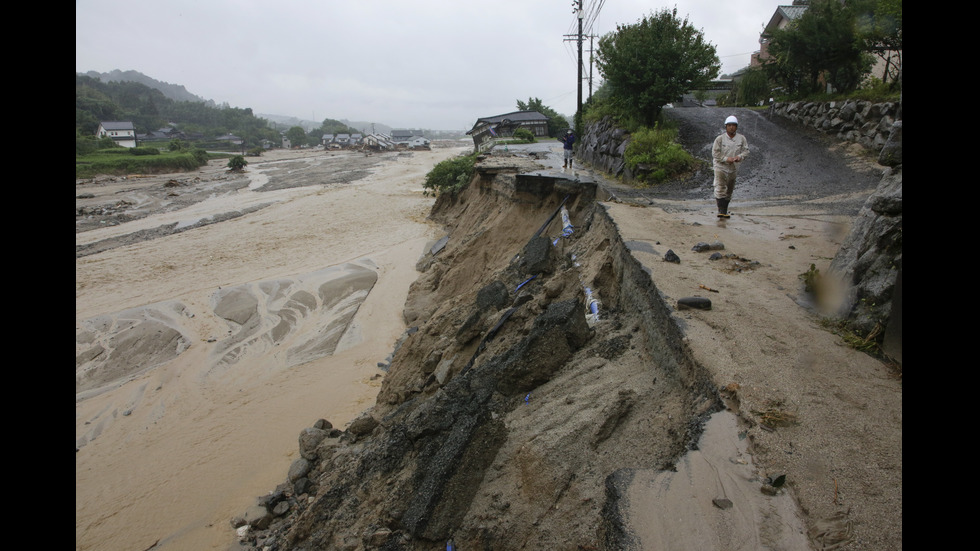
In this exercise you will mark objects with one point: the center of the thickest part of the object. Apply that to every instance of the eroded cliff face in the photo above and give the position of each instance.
(542, 367)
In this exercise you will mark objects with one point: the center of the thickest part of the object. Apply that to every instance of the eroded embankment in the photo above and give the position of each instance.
(512, 413)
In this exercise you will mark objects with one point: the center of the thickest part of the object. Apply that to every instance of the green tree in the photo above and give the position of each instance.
(654, 61)
(331, 126)
(557, 123)
(822, 45)
(296, 135)
(879, 26)
(751, 87)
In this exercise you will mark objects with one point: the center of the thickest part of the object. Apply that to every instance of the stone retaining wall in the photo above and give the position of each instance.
(602, 146)
(863, 122)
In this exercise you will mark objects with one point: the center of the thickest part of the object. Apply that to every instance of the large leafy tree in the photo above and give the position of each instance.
(557, 123)
(879, 25)
(654, 61)
(822, 44)
(751, 88)
(331, 126)
(297, 136)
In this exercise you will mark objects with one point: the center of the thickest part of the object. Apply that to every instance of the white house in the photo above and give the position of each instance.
(418, 142)
(122, 133)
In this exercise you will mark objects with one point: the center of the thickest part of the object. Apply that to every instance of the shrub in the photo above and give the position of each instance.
(811, 279)
(144, 151)
(876, 91)
(105, 142)
(86, 145)
(237, 163)
(200, 155)
(450, 176)
(524, 134)
(661, 157)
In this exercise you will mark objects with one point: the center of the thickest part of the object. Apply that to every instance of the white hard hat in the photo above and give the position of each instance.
(731, 120)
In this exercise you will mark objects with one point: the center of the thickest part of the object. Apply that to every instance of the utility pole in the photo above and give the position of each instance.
(578, 112)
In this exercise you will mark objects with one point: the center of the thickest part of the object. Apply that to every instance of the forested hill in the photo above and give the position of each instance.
(176, 92)
(149, 110)
(152, 105)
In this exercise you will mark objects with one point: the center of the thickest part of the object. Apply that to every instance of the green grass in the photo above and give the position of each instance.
(120, 161)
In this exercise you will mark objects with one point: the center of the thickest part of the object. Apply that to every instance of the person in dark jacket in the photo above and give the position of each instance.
(567, 142)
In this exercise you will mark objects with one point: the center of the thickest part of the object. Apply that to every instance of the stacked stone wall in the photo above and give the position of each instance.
(863, 122)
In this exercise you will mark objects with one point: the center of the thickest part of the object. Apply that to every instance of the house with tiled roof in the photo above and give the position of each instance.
(486, 130)
(781, 18)
(887, 62)
(403, 135)
(122, 132)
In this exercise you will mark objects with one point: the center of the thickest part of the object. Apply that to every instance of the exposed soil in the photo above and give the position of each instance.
(605, 450)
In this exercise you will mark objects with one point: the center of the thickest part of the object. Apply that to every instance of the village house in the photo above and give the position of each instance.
(781, 19)
(230, 138)
(418, 142)
(887, 65)
(488, 129)
(122, 133)
(164, 134)
(402, 136)
(379, 142)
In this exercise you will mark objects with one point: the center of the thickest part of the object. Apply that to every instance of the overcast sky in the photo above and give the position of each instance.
(428, 64)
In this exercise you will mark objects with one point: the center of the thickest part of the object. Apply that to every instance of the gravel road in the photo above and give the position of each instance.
(785, 163)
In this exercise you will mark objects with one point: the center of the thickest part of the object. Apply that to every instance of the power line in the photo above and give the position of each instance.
(593, 15)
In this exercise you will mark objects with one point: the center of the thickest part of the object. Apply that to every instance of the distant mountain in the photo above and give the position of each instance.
(176, 92)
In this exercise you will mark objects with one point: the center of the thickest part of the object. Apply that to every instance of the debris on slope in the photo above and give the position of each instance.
(507, 413)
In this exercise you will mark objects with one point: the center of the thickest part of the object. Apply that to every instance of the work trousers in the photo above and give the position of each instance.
(724, 183)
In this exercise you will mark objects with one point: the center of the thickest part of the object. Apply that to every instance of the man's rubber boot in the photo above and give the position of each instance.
(721, 207)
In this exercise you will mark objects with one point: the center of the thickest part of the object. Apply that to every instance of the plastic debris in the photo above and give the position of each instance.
(566, 225)
(524, 282)
(593, 305)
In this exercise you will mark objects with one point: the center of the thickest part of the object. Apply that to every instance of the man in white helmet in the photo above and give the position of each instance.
(729, 149)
